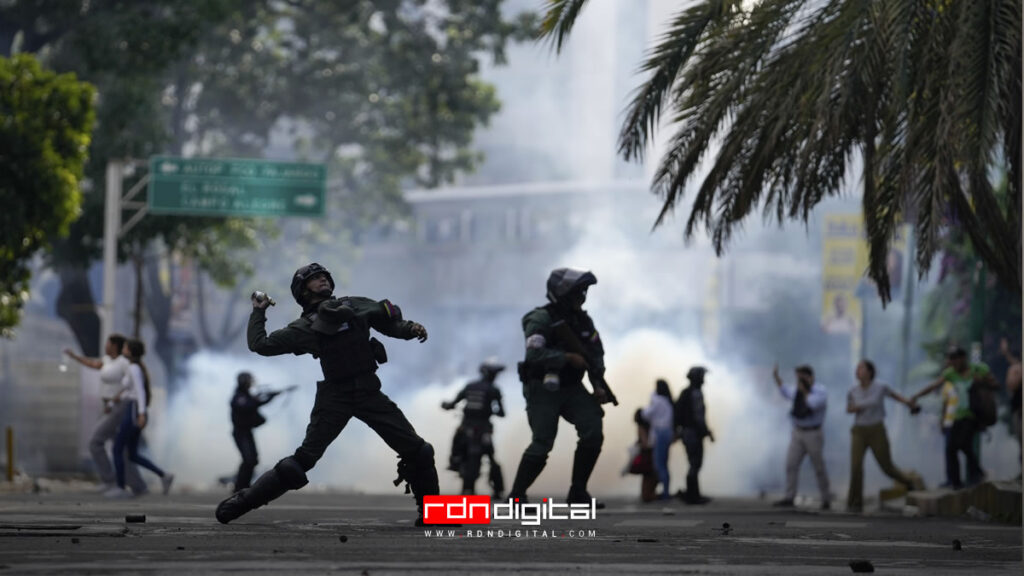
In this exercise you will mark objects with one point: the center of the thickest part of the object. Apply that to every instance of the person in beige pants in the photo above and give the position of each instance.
(866, 400)
(112, 368)
(810, 400)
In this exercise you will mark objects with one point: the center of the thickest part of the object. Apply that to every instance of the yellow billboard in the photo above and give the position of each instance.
(844, 274)
(844, 260)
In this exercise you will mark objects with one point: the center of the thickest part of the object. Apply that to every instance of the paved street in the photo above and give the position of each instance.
(86, 534)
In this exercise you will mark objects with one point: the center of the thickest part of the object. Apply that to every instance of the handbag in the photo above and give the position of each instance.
(643, 462)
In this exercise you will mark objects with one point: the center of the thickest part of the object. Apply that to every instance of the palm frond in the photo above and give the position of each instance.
(559, 20)
(675, 48)
(708, 95)
(773, 103)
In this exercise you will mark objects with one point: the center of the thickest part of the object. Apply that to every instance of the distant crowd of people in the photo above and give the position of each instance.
(659, 425)
(968, 390)
(562, 346)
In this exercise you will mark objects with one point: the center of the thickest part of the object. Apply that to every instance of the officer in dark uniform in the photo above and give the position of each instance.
(552, 377)
(245, 416)
(472, 440)
(692, 428)
(337, 332)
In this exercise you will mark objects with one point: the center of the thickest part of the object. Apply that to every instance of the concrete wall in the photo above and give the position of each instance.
(39, 399)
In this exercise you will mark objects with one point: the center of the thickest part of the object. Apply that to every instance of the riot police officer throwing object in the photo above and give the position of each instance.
(473, 439)
(561, 346)
(245, 416)
(337, 332)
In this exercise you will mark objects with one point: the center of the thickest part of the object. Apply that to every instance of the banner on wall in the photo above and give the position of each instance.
(844, 260)
(844, 272)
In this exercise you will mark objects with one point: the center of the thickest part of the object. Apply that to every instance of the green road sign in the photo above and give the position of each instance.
(233, 187)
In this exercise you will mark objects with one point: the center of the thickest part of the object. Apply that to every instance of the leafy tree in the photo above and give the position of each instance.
(968, 305)
(778, 103)
(122, 48)
(44, 135)
(385, 92)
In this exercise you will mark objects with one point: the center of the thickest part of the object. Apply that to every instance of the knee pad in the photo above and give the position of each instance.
(409, 464)
(417, 470)
(591, 436)
(292, 474)
(593, 441)
(540, 447)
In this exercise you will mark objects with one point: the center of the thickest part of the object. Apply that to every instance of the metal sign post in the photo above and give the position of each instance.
(203, 187)
(113, 230)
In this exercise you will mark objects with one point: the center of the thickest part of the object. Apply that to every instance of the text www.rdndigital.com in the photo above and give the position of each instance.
(517, 533)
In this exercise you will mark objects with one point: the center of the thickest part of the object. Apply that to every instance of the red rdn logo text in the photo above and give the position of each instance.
(456, 509)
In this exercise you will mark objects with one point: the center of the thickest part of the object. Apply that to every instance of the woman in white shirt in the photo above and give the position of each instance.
(112, 367)
(659, 414)
(866, 401)
(137, 394)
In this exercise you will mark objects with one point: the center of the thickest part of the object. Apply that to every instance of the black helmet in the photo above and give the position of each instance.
(564, 281)
(302, 275)
(696, 374)
(244, 379)
(491, 367)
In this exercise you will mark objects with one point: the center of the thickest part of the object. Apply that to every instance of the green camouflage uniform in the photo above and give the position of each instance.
(545, 354)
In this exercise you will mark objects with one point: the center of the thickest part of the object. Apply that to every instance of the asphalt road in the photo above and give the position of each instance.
(313, 533)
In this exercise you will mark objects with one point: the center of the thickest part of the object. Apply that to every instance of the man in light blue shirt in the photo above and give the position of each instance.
(810, 401)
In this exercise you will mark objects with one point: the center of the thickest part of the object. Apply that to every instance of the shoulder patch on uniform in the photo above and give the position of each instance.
(392, 311)
(536, 341)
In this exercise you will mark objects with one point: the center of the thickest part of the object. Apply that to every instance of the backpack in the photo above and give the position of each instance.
(983, 405)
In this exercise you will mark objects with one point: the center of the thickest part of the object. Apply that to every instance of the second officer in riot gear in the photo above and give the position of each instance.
(473, 438)
(245, 416)
(552, 377)
(337, 332)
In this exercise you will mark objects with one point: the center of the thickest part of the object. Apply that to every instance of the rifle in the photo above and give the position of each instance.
(291, 388)
(572, 342)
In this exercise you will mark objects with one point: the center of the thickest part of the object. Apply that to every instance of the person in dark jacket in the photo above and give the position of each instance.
(245, 416)
(473, 439)
(337, 332)
(552, 376)
(692, 428)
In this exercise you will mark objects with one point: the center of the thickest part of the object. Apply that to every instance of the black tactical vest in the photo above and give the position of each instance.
(347, 353)
(479, 396)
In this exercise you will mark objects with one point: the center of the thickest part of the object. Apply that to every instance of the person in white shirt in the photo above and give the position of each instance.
(113, 368)
(136, 394)
(866, 400)
(659, 414)
(810, 400)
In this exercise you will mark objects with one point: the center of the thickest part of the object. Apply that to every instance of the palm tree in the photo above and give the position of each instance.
(776, 104)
